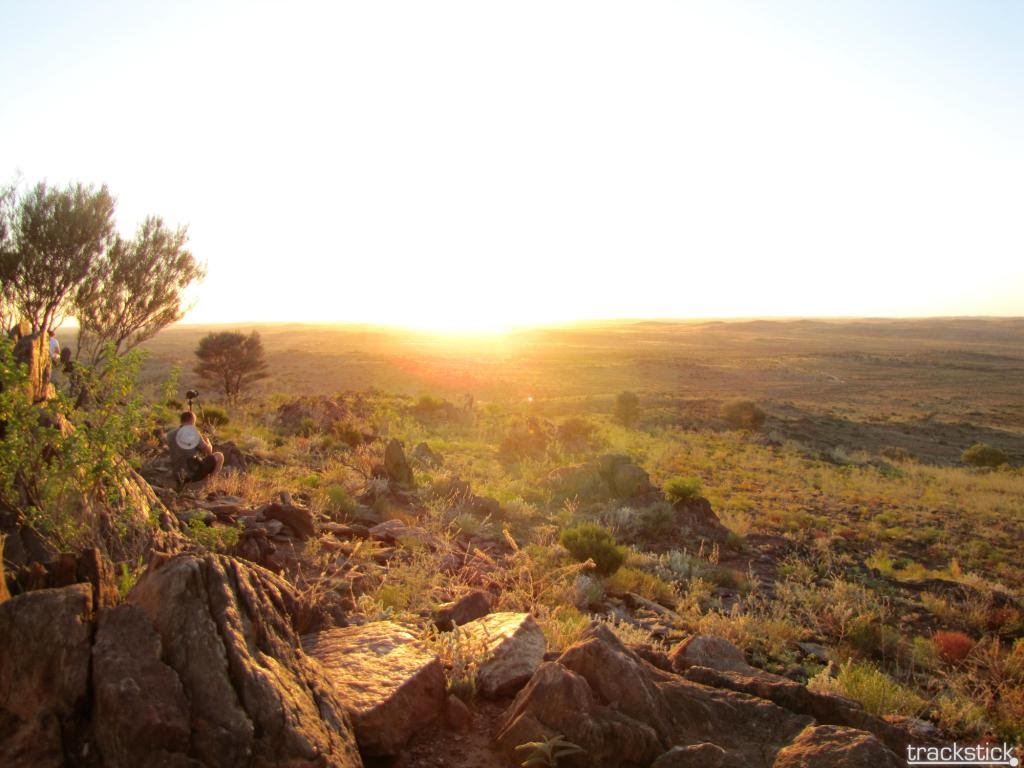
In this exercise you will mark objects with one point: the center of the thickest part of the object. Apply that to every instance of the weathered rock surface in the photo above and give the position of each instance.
(512, 645)
(391, 684)
(473, 605)
(140, 711)
(45, 640)
(712, 652)
(624, 712)
(298, 519)
(89, 566)
(254, 697)
(426, 456)
(836, 747)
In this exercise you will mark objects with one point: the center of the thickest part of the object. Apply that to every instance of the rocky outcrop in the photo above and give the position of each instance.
(140, 708)
(254, 696)
(473, 605)
(299, 520)
(426, 457)
(622, 711)
(391, 684)
(89, 566)
(45, 637)
(836, 747)
(713, 652)
(511, 645)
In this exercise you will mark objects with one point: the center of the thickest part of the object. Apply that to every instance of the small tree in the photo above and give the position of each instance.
(743, 414)
(135, 290)
(231, 361)
(983, 455)
(627, 408)
(51, 240)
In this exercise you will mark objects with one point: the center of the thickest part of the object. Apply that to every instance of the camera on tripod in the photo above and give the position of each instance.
(192, 394)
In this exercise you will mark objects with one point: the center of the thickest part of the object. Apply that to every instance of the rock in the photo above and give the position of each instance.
(557, 700)
(625, 479)
(298, 519)
(234, 459)
(472, 605)
(815, 651)
(797, 698)
(624, 712)
(704, 755)
(457, 714)
(512, 646)
(391, 684)
(45, 637)
(395, 532)
(141, 714)
(425, 456)
(4, 592)
(254, 545)
(836, 747)
(712, 652)
(254, 697)
(347, 530)
(696, 520)
(396, 466)
(89, 566)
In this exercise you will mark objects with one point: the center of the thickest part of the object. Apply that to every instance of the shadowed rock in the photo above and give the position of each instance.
(45, 639)
(836, 747)
(391, 684)
(473, 605)
(140, 710)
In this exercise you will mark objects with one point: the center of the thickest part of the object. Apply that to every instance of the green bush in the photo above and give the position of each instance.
(983, 455)
(339, 500)
(587, 541)
(743, 414)
(214, 416)
(682, 488)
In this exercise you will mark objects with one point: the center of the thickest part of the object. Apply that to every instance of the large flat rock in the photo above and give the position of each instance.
(389, 682)
(512, 646)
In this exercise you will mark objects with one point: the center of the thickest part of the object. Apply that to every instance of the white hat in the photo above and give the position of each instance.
(188, 438)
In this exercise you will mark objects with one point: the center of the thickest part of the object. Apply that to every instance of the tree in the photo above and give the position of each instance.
(135, 290)
(51, 240)
(983, 455)
(231, 361)
(627, 408)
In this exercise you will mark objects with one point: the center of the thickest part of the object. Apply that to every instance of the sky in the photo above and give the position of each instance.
(477, 165)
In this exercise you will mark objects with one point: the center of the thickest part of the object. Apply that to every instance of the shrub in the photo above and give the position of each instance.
(682, 488)
(876, 691)
(214, 416)
(983, 455)
(627, 408)
(587, 541)
(952, 646)
(743, 414)
(339, 500)
(576, 434)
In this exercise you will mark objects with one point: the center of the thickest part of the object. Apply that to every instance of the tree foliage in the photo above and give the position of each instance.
(51, 239)
(231, 361)
(627, 408)
(135, 289)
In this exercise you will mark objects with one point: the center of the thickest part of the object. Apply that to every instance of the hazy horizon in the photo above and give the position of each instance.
(474, 167)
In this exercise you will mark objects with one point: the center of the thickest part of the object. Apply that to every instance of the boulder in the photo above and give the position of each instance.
(624, 712)
(797, 698)
(559, 701)
(45, 637)
(141, 714)
(512, 646)
(625, 479)
(391, 684)
(396, 466)
(473, 605)
(254, 697)
(425, 456)
(836, 747)
(712, 652)
(298, 519)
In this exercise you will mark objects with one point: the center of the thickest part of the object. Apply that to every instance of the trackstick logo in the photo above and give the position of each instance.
(958, 754)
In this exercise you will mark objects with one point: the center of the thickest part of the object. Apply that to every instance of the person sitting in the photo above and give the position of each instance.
(192, 456)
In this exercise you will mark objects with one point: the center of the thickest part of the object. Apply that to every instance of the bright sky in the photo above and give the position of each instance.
(477, 164)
